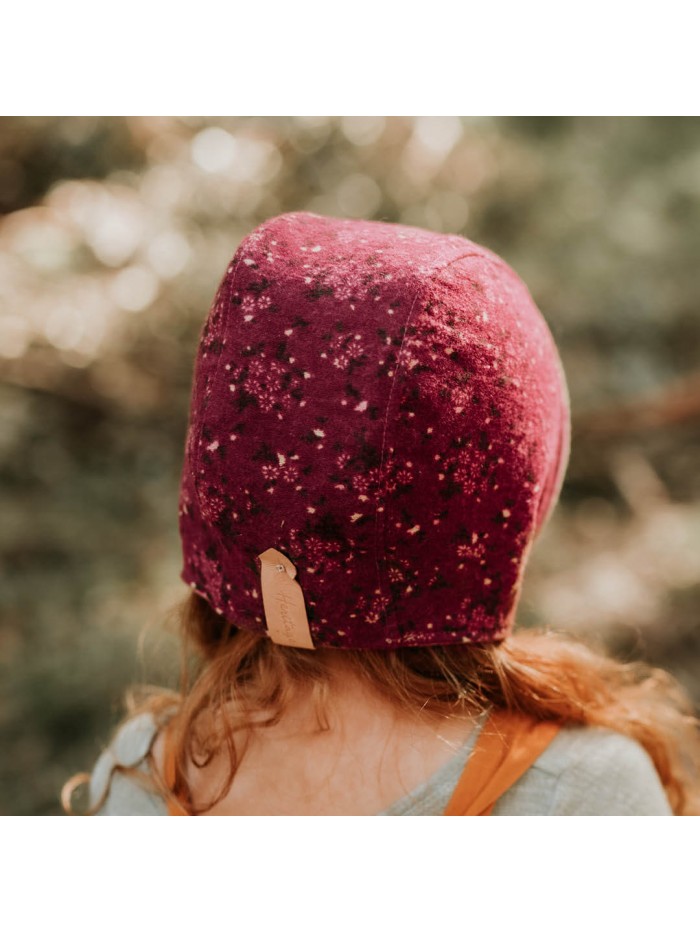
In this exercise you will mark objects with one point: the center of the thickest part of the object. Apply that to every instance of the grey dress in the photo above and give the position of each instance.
(584, 772)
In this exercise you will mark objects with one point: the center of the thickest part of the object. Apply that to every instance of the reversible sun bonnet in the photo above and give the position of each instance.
(379, 430)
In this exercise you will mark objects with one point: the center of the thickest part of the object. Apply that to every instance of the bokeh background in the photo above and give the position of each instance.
(114, 233)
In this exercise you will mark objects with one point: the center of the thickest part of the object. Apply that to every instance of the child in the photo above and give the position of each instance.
(379, 430)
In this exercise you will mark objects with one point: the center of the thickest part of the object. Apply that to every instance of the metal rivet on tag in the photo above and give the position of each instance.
(283, 601)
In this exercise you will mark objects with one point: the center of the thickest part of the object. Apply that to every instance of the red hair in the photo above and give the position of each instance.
(246, 681)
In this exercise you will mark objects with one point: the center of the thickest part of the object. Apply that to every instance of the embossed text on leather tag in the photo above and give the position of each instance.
(285, 612)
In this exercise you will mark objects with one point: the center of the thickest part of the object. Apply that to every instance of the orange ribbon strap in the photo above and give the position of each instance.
(174, 808)
(508, 744)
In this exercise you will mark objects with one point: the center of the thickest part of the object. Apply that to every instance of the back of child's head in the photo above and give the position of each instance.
(379, 430)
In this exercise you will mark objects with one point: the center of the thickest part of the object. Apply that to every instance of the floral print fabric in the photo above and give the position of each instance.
(386, 406)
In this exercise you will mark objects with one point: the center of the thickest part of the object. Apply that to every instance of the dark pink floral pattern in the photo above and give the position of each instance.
(386, 406)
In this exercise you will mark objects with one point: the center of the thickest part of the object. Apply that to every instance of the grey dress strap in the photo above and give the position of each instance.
(122, 795)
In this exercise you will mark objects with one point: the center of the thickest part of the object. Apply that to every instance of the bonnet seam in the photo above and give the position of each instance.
(380, 529)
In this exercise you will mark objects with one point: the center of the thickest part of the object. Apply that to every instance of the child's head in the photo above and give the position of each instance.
(385, 408)
(379, 430)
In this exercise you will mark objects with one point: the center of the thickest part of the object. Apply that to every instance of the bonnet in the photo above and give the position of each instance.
(379, 429)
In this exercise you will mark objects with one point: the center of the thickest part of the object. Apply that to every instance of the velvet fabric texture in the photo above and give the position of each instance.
(386, 406)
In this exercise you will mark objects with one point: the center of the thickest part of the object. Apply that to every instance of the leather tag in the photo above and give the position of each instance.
(285, 612)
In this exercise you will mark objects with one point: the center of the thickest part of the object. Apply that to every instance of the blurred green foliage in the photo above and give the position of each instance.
(113, 236)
